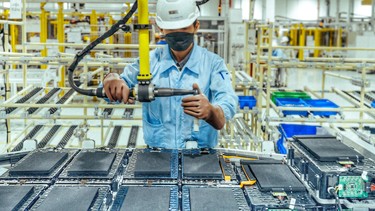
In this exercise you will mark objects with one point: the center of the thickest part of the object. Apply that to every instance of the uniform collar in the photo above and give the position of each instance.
(168, 60)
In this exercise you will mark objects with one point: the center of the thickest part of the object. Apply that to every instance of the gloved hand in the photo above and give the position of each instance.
(197, 106)
(116, 89)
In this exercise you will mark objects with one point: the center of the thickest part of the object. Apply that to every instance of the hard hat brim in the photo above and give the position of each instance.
(178, 24)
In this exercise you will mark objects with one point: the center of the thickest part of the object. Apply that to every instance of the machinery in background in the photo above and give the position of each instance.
(334, 172)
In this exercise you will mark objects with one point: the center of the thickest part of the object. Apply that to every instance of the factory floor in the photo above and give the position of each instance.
(297, 79)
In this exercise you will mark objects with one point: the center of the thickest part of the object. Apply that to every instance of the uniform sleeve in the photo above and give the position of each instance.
(130, 74)
(222, 90)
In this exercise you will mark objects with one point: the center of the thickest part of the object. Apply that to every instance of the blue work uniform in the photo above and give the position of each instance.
(165, 124)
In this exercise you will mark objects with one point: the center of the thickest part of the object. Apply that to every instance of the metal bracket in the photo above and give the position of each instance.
(125, 28)
(142, 26)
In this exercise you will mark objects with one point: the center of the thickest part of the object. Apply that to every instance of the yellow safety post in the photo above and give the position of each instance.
(339, 34)
(144, 40)
(13, 35)
(43, 30)
(93, 25)
(317, 37)
(293, 36)
(128, 35)
(61, 39)
(302, 39)
(13, 41)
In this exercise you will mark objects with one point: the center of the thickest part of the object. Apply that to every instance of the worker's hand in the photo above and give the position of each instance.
(116, 89)
(197, 106)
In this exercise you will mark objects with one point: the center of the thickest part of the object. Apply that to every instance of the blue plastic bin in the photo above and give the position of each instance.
(322, 103)
(290, 130)
(292, 102)
(248, 101)
(373, 104)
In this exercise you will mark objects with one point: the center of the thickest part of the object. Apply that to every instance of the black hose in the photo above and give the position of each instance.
(79, 56)
(201, 2)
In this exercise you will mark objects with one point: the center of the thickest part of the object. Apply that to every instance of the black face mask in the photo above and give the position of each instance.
(179, 41)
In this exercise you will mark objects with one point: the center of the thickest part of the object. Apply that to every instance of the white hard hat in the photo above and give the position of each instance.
(176, 14)
(284, 39)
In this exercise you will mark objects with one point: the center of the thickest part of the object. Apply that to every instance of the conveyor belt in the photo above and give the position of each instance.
(13, 197)
(205, 165)
(355, 98)
(62, 101)
(48, 136)
(69, 198)
(32, 133)
(66, 137)
(92, 163)
(24, 99)
(133, 136)
(153, 163)
(44, 99)
(39, 164)
(367, 96)
(128, 113)
(114, 137)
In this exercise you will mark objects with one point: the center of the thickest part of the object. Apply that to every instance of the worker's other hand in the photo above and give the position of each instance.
(197, 106)
(116, 89)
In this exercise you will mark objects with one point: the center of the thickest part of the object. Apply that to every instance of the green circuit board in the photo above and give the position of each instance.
(352, 187)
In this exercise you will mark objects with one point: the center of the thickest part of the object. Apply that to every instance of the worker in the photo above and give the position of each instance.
(181, 63)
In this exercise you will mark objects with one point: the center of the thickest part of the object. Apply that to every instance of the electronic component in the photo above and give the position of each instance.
(338, 174)
(72, 198)
(352, 187)
(160, 167)
(209, 198)
(18, 197)
(146, 198)
(41, 165)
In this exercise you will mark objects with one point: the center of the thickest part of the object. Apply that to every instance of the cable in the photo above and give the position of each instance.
(79, 56)
(201, 2)
(333, 191)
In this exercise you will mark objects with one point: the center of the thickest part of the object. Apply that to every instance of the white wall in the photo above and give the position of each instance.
(210, 8)
(297, 9)
(301, 9)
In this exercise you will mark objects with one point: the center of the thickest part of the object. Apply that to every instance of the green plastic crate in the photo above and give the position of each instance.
(301, 95)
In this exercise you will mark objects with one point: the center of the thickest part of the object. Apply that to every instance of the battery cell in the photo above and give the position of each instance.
(202, 166)
(213, 199)
(92, 163)
(13, 197)
(329, 149)
(69, 198)
(153, 164)
(276, 177)
(39, 164)
(147, 198)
